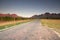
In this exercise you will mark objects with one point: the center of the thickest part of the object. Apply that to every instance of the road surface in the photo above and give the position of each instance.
(29, 31)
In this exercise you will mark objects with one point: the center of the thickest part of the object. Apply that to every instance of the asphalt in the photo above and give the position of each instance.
(29, 31)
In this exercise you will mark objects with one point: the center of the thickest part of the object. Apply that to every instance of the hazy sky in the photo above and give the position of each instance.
(28, 8)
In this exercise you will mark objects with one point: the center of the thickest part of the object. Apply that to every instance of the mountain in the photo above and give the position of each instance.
(47, 16)
(9, 15)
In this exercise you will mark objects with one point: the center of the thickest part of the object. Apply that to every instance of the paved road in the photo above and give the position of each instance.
(29, 31)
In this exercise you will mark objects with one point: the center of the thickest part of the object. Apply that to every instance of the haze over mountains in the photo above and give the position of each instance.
(46, 15)
(8, 15)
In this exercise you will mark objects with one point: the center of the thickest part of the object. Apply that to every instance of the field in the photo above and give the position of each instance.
(52, 23)
(6, 24)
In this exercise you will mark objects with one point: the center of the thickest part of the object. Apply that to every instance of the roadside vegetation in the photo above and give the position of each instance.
(52, 23)
(9, 20)
(7, 24)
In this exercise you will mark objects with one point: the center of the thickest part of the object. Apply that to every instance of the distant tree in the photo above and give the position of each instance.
(47, 15)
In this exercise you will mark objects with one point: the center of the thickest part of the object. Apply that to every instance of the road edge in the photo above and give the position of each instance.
(54, 31)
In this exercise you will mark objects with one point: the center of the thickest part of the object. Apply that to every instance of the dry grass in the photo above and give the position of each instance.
(53, 23)
(11, 23)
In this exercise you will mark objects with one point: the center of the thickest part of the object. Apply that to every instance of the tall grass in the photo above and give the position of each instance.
(52, 23)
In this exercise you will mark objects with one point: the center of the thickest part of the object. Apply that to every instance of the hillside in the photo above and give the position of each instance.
(47, 16)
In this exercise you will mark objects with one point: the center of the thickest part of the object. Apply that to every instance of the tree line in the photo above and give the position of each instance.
(10, 17)
(47, 15)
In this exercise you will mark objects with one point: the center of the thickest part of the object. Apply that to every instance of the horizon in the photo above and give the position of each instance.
(28, 8)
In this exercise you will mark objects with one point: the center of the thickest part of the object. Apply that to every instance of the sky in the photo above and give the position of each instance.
(27, 8)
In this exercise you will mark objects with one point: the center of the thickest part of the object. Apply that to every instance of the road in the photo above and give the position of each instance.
(29, 31)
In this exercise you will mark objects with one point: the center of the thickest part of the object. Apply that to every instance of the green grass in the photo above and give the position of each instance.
(5, 26)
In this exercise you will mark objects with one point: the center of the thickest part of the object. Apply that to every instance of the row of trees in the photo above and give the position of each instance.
(47, 15)
(10, 17)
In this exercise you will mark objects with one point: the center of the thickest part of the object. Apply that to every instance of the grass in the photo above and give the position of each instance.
(10, 24)
(52, 23)
(6, 26)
